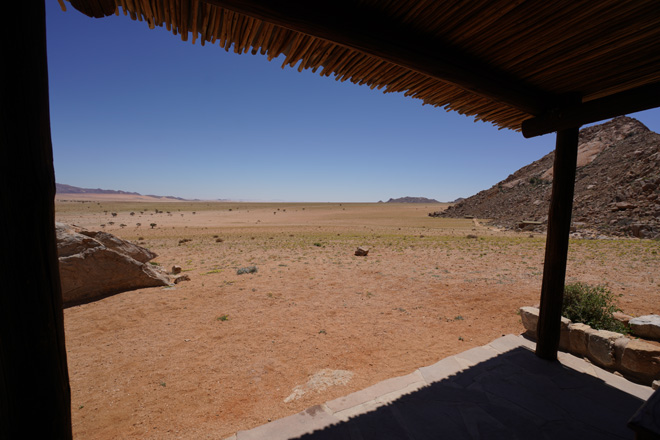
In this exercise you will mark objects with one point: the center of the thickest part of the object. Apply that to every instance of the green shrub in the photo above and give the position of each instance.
(249, 269)
(591, 305)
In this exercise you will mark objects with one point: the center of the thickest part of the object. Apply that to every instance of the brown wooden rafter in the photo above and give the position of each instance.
(631, 101)
(94, 8)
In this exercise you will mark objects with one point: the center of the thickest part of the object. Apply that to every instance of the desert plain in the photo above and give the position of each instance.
(225, 352)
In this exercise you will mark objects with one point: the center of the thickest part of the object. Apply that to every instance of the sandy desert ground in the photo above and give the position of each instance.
(225, 352)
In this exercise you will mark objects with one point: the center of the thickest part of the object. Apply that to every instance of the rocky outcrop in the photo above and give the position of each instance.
(647, 326)
(94, 265)
(617, 186)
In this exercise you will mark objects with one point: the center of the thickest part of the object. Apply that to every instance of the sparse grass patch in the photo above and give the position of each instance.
(212, 271)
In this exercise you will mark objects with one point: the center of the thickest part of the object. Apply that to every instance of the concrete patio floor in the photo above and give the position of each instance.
(498, 391)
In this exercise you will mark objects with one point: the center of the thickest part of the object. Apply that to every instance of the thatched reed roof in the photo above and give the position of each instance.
(500, 61)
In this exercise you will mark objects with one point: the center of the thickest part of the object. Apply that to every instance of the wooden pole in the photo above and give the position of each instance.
(35, 399)
(556, 247)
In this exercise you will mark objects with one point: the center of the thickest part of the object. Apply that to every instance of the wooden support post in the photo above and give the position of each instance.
(35, 400)
(556, 246)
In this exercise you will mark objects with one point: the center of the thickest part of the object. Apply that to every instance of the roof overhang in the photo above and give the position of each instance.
(514, 64)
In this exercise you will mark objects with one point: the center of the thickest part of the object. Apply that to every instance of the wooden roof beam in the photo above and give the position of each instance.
(351, 25)
(94, 8)
(630, 101)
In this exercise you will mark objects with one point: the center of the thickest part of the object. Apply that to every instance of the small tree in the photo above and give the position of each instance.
(153, 225)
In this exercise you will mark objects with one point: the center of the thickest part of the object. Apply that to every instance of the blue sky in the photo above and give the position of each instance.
(140, 110)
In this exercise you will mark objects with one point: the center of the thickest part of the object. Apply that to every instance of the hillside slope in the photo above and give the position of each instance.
(617, 186)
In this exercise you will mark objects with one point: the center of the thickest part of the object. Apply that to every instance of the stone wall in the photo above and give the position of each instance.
(636, 359)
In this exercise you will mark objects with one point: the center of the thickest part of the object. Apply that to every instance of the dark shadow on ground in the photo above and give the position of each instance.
(514, 395)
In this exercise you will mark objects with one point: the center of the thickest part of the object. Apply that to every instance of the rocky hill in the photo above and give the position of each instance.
(617, 187)
(412, 200)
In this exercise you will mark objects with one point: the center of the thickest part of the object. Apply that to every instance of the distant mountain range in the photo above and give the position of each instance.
(61, 188)
(412, 200)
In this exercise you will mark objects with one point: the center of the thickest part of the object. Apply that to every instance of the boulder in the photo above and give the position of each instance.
(622, 206)
(642, 360)
(564, 333)
(175, 270)
(94, 265)
(110, 241)
(70, 242)
(530, 319)
(622, 318)
(601, 347)
(647, 326)
(619, 347)
(578, 338)
(361, 252)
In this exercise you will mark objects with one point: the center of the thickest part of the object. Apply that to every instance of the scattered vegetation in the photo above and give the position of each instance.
(223, 318)
(212, 271)
(591, 305)
(536, 180)
(248, 269)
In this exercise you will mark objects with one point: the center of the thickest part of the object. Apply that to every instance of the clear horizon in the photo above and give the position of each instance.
(138, 110)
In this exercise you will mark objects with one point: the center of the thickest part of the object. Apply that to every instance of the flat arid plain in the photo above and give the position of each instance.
(225, 352)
